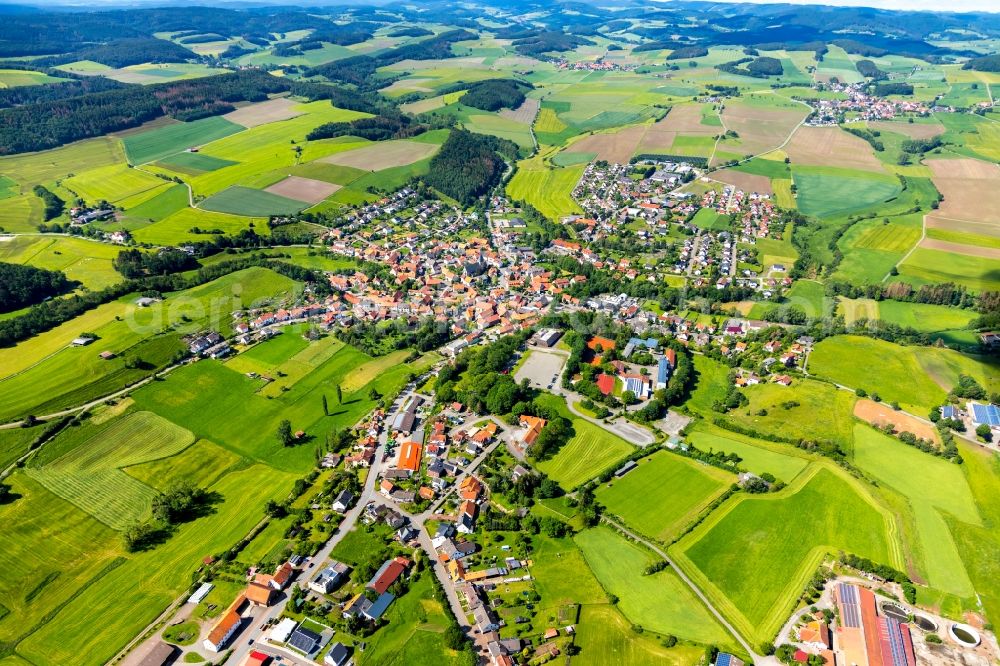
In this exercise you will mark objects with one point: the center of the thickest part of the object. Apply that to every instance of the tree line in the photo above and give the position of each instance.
(21, 286)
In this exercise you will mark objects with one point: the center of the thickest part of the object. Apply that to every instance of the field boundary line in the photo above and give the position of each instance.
(687, 581)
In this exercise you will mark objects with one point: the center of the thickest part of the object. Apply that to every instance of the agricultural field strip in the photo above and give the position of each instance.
(805, 568)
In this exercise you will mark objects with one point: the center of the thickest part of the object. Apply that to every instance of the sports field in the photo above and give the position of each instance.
(90, 475)
(661, 602)
(158, 143)
(754, 555)
(664, 494)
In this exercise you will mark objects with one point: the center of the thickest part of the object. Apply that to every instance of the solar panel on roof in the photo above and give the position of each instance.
(850, 611)
(724, 659)
(988, 414)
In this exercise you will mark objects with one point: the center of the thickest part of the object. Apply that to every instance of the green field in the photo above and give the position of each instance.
(195, 162)
(86, 261)
(13, 78)
(604, 636)
(759, 456)
(126, 599)
(156, 144)
(918, 378)
(548, 190)
(708, 219)
(45, 373)
(176, 227)
(754, 555)
(250, 202)
(932, 487)
(664, 494)
(823, 412)
(925, 266)
(590, 451)
(116, 184)
(297, 397)
(90, 475)
(925, 317)
(200, 464)
(826, 191)
(15, 442)
(711, 384)
(166, 203)
(661, 602)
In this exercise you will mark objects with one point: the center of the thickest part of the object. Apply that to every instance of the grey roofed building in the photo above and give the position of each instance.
(160, 655)
(337, 656)
(343, 501)
(304, 640)
(404, 421)
(379, 606)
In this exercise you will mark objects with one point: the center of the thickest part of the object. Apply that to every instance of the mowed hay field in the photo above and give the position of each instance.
(382, 155)
(753, 556)
(156, 144)
(932, 486)
(661, 602)
(664, 494)
(90, 475)
(88, 262)
(591, 451)
(245, 201)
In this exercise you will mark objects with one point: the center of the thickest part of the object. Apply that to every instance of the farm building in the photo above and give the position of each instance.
(226, 627)
(985, 414)
(409, 456)
(199, 595)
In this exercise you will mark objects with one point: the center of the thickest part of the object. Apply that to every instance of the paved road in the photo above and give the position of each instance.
(350, 520)
(757, 659)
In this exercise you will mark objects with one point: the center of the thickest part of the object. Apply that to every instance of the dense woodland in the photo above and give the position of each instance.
(21, 286)
(377, 128)
(53, 123)
(495, 94)
(469, 165)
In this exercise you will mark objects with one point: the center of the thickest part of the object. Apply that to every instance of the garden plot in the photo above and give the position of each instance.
(383, 155)
(303, 189)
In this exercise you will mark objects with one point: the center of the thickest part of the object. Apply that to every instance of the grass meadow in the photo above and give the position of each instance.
(918, 378)
(90, 475)
(249, 202)
(826, 191)
(932, 487)
(156, 144)
(587, 454)
(47, 374)
(664, 494)
(926, 266)
(753, 556)
(661, 602)
(604, 635)
(783, 461)
(86, 261)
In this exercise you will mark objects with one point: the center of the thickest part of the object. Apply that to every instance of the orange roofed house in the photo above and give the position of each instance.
(409, 456)
(226, 627)
(533, 426)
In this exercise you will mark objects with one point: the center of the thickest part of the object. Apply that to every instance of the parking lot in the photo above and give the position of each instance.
(542, 368)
